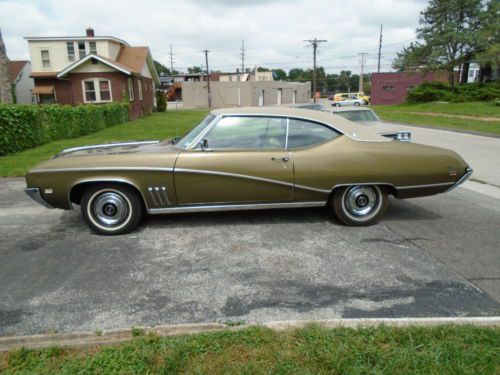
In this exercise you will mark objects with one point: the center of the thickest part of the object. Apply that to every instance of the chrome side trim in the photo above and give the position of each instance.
(233, 207)
(34, 193)
(424, 186)
(102, 169)
(106, 145)
(159, 195)
(465, 177)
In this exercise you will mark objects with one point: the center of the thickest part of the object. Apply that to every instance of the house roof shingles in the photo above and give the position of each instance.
(133, 57)
(15, 67)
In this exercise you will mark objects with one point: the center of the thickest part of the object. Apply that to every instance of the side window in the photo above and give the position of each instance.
(258, 133)
(305, 133)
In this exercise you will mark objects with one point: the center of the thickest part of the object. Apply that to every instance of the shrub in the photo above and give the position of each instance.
(432, 91)
(161, 103)
(27, 126)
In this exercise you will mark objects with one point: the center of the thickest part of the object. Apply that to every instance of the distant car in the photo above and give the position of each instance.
(355, 101)
(312, 106)
(339, 97)
(366, 117)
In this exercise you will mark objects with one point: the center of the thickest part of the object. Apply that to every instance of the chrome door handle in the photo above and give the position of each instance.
(284, 159)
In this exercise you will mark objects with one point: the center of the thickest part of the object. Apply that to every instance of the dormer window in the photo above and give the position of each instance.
(81, 50)
(45, 58)
(93, 48)
(70, 46)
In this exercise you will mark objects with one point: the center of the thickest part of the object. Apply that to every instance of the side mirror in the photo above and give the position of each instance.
(204, 144)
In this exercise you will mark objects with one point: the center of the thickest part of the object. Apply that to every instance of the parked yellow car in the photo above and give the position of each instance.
(245, 159)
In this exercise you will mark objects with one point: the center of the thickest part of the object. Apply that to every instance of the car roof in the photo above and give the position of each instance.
(344, 126)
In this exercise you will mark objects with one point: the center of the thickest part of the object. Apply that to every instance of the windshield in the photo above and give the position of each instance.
(186, 140)
(358, 116)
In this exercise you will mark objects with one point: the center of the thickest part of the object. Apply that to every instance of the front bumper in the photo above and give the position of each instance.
(34, 193)
(467, 174)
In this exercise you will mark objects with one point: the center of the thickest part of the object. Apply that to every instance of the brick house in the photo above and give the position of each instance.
(92, 70)
(391, 88)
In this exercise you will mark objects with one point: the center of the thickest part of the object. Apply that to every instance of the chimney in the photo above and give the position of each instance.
(90, 32)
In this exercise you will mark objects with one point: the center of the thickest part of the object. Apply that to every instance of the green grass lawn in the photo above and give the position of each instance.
(312, 350)
(156, 126)
(400, 113)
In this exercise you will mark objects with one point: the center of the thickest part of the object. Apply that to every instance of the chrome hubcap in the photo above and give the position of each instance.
(110, 208)
(360, 200)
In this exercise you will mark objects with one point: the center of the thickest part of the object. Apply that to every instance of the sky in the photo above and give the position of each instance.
(273, 30)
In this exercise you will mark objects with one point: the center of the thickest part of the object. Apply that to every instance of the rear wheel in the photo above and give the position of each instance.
(111, 209)
(359, 205)
(356, 104)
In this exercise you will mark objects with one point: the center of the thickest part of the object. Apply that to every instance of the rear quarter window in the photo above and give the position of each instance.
(302, 133)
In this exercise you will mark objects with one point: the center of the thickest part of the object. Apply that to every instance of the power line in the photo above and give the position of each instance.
(242, 55)
(362, 56)
(314, 43)
(379, 49)
(171, 60)
(208, 79)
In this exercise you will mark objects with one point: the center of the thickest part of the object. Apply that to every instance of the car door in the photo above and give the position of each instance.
(244, 160)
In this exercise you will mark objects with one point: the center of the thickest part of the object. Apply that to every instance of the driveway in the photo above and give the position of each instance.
(435, 256)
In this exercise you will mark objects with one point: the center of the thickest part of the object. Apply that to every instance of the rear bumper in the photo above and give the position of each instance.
(35, 194)
(465, 177)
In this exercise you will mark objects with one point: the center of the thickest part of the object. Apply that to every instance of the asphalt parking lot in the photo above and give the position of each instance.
(434, 256)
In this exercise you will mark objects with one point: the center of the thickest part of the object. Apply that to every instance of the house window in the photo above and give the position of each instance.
(105, 90)
(81, 49)
(139, 86)
(71, 51)
(90, 94)
(388, 88)
(45, 58)
(130, 89)
(97, 90)
(93, 48)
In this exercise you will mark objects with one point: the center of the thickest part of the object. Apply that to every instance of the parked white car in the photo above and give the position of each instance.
(349, 102)
(366, 117)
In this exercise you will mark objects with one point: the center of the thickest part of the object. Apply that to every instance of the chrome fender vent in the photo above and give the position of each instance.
(159, 195)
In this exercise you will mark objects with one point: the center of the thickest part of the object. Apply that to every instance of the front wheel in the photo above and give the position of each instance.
(359, 205)
(356, 104)
(111, 209)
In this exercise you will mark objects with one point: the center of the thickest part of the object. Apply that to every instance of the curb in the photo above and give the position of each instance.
(109, 337)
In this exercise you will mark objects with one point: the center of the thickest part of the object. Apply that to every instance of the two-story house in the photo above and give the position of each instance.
(92, 69)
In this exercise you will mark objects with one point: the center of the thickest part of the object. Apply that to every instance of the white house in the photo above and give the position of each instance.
(19, 75)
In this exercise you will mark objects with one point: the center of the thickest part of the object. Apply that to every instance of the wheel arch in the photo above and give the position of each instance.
(78, 188)
(388, 187)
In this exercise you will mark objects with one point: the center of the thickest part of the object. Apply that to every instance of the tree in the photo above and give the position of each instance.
(195, 69)
(279, 74)
(449, 35)
(5, 85)
(160, 68)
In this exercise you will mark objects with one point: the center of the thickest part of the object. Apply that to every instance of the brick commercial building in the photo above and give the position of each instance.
(391, 88)
(92, 70)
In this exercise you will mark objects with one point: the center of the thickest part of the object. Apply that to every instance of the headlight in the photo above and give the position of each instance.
(404, 136)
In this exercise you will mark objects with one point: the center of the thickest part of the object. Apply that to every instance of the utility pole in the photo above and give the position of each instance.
(362, 56)
(242, 55)
(171, 60)
(314, 43)
(208, 79)
(379, 49)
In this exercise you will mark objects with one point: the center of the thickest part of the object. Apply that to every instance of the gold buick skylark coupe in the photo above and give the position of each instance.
(245, 159)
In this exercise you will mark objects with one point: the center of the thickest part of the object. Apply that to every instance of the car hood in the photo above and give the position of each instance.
(131, 147)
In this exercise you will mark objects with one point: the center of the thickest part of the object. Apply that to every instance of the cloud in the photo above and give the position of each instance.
(274, 30)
